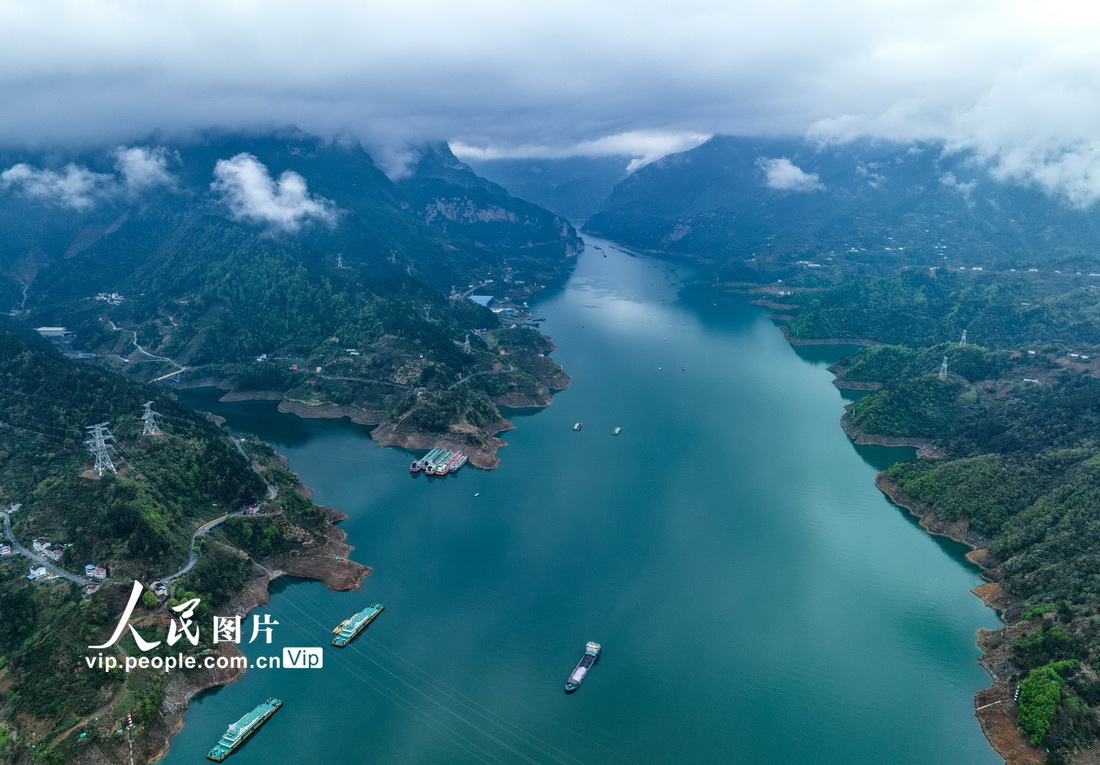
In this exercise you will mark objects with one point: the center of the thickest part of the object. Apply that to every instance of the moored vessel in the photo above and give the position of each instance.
(353, 625)
(439, 464)
(591, 654)
(423, 462)
(242, 729)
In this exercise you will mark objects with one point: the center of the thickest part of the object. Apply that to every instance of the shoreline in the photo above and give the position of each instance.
(863, 438)
(825, 340)
(994, 707)
(480, 444)
(328, 564)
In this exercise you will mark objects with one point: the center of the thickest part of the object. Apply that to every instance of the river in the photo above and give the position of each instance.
(757, 599)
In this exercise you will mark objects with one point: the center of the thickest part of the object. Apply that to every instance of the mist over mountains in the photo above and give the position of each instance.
(877, 204)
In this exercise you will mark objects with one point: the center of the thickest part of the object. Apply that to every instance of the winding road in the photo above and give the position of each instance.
(49, 566)
(142, 350)
(511, 368)
(193, 557)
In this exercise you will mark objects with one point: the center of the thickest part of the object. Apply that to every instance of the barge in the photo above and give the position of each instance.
(591, 654)
(439, 461)
(422, 463)
(242, 729)
(347, 630)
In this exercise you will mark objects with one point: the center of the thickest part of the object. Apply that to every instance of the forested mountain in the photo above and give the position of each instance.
(247, 256)
(447, 193)
(575, 187)
(745, 204)
(136, 523)
(1014, 430)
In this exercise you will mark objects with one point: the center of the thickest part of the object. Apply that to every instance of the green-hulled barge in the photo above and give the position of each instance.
(347, 630)
(242, 729)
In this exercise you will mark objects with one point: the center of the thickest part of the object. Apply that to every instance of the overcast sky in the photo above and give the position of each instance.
(1019, 82)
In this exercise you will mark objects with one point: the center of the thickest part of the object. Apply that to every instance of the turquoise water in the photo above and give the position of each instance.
(758, 600)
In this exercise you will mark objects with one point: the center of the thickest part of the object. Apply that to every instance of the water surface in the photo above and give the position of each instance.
(758, 600)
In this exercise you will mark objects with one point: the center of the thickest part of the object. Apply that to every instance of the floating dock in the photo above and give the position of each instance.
(242, 729)
(352, 626)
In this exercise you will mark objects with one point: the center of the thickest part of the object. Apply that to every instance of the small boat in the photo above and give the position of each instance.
(591, 654)
(616, 431)
(578, 425)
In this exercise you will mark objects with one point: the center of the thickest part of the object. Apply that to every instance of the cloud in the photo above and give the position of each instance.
(143, 168)
(73, 186)
(1015, 82)
(138, 169)
(783, 175)
(867, 171)
(644, 146)
(253, 196)
(948, 179)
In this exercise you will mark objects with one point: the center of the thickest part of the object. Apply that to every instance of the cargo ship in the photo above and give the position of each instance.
(423, 462)
(591, 654)
(438, 466)
(352, 626)
(441, 457)
(439, 461)
(242, 729)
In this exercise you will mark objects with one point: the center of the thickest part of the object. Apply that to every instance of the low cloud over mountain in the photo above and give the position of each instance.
(1017, 84)
(138, 168)
(253, 196)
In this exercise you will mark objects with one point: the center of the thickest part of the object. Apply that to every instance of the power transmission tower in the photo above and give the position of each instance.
(943, 369)
(393, 257)
(428, 313)
(340, 260)
(962, 341)
(99, 444)
(150, 419)
(466, 345)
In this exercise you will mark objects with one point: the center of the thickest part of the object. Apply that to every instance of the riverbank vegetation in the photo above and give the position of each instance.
(137, 524)
(1016, 422)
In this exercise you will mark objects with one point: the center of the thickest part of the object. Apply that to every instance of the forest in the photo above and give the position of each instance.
(1016, 426)
(137, 523)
